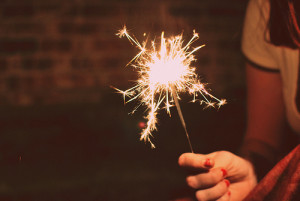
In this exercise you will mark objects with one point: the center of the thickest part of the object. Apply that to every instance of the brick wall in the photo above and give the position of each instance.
(61, 51)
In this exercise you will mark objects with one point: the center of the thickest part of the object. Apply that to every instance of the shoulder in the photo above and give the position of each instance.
(257, 11)
(255, 39)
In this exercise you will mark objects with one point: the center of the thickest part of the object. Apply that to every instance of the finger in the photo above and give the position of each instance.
(196, 161)
(225, 197)
(214, 193)
(207, 179)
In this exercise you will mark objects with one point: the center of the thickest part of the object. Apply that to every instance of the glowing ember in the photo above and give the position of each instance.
(165, 71)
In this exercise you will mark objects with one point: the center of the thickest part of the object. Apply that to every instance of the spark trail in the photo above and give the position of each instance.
(165, 71)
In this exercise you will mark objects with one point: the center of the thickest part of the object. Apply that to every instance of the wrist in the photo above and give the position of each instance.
(260, 155)
(252, 178)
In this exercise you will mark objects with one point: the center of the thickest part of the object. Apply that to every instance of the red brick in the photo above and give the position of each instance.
(24, 27)
(18, 11)
(64, 81)
(50, 7)
(3, 65)
(81, 63)
(13, 83)
(48, 82)
(110, 45)
(93, 11)
(72, 28)
(110, 63)
(56, 45)
(28, 83)
(187, 11)
(41, 30)
(17, 45)
(37, 63)
(99, 10)
(81, 80)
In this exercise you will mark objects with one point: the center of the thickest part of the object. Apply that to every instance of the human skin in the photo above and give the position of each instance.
(220, 175)
(223, 175)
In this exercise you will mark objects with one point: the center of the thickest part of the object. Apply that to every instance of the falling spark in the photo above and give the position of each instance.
(165, 71)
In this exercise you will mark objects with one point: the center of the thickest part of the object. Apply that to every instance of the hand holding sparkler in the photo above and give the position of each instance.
(165, 71)
(221, 175)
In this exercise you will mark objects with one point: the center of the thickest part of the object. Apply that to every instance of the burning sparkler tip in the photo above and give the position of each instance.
(165, 71)
(196, 35)
(210, 104)
(222, 102)
(122, 32)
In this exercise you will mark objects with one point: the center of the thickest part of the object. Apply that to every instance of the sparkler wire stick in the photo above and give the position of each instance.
(181, 116)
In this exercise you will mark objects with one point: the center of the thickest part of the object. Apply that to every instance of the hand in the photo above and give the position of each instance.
(219, 175)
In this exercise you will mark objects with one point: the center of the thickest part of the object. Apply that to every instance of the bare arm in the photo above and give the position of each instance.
(264, 105)
(265, 118)
(265, 124)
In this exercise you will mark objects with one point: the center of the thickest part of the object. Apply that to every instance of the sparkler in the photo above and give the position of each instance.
(165, 71)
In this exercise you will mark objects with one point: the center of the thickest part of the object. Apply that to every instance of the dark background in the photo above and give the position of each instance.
(66, 135)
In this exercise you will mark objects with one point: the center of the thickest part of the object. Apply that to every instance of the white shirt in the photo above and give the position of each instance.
(258, 50)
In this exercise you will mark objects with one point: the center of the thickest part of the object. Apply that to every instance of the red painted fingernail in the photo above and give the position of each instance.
(224, 172)
(229, 193)
(227, 182)
(207, 163)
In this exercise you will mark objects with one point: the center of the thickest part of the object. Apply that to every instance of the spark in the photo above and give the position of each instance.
(164, 72)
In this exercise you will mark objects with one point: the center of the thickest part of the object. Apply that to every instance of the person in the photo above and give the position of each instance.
(270, 43)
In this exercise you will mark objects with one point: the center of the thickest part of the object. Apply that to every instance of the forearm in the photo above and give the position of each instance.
(260, 155)
(265, 119)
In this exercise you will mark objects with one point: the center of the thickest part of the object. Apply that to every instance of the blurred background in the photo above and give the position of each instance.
(66, 135)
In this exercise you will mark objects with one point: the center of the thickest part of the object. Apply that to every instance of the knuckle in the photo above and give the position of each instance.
(225, 197)
(223, 152)
(192, 182)
(205, 195)
(215, 177)
(222, 198)
(199, 195)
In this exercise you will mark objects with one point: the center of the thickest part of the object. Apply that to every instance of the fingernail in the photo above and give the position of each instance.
(229, 193)
(207, 162)
(227, 182)
(224, 172)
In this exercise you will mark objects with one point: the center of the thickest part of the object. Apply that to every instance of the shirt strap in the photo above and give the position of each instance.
(262, 68)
